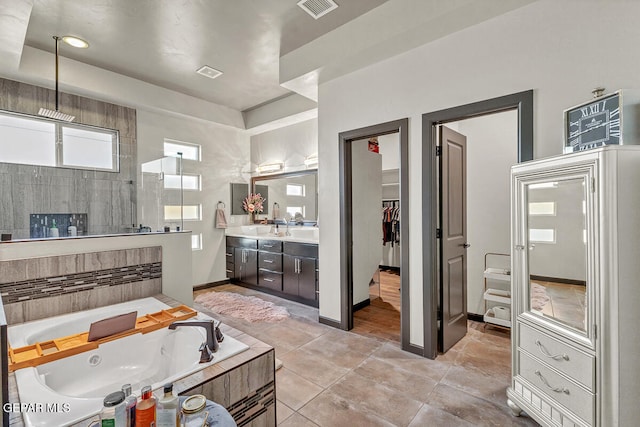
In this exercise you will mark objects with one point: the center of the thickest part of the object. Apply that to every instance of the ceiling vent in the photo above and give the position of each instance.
(317, 8)
(207, 71)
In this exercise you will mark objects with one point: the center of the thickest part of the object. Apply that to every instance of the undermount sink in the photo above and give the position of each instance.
(305, 233)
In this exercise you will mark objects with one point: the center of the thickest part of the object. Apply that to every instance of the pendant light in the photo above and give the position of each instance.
(57, 115)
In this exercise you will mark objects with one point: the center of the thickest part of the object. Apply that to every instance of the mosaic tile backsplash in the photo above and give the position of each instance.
(49, 286)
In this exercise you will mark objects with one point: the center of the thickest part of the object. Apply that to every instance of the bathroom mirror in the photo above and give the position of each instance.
(293, 193)
(557, 250)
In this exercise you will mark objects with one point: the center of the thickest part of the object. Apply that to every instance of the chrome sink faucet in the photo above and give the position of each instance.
(214, 336)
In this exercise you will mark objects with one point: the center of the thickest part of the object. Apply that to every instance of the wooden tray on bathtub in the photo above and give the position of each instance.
(58, 348)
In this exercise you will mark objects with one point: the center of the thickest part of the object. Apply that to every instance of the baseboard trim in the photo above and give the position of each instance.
(329, 322)
(475, 317)
(412, 348)
(558, 280)
(211, 285)
(361, 305)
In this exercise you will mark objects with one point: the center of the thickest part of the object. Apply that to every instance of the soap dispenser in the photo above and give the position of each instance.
(72, 230)
(53, 231)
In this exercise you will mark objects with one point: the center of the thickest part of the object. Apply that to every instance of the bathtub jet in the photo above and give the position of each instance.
(214, 336)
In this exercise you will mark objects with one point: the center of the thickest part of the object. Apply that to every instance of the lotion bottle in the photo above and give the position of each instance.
(168, 414)
(146, 409)
(54, 229)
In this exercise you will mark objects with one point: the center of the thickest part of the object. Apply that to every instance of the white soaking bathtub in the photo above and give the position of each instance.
(81, 382)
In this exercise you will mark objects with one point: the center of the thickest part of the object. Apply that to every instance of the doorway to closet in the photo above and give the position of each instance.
(373, 207)
(377, 241)
(446, 297)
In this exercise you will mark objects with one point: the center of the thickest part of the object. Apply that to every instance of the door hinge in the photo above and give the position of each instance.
(438, 150)
(438, 233)
(595, 331)
(593, 185)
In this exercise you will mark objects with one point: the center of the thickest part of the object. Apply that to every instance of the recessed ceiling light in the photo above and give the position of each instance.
(207, 71)
(75, 42)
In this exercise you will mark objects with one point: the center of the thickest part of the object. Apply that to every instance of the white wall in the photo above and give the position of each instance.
(290, 144)
(547, 46)
(224, 159)
(366, 181)
(491, 150)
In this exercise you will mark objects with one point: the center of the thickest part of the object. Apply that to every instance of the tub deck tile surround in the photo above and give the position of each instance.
(244, 383)
(38, 288)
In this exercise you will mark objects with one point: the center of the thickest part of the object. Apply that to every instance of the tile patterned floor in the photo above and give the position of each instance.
(336, 378)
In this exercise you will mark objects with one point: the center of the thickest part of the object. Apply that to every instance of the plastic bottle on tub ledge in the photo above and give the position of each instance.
(167, 411)
(113, 412)
(146, 409)
(130, 402)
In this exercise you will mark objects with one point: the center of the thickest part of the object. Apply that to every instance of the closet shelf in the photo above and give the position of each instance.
(500, 274)
(498, 295)
(489, 317)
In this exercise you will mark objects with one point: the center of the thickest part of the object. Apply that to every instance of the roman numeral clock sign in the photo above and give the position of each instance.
(595, 123)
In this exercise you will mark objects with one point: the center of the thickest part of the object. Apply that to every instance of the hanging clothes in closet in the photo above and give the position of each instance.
(390, 223)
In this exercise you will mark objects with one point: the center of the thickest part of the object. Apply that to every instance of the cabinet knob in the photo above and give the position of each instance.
(466, 245)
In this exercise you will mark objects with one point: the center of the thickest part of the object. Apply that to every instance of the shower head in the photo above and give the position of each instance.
(56, 114)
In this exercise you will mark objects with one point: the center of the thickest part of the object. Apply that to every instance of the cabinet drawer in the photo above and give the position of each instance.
(558, 387)
(301, 249)
(270, 280)
(574, 363)
(241, 242)
(270, 261)
(270, 245)
(229, 255)
(231, 267)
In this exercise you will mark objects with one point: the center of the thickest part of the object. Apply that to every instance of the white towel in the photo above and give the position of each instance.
(221, 219)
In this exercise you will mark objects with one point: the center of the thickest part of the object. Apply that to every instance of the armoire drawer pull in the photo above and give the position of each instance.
(268, 280)
(544, 351)
(556, 389)
(268, 261)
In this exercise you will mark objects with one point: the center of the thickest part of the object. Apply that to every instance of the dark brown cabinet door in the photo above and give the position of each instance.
(290, 275)
(299, 276)
(307, 278)
(246, 265)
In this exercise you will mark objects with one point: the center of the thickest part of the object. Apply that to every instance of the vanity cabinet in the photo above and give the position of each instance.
(575, 268)
(284, 268)
(270, 264)
(242, 259)
(301, 270)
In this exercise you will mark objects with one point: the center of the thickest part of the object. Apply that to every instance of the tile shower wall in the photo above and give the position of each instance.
(42, 287)
(108, 198)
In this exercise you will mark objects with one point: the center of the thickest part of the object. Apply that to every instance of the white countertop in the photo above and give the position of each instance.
(258, 231)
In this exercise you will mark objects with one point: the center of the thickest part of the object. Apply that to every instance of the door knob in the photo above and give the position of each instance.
(466, 245)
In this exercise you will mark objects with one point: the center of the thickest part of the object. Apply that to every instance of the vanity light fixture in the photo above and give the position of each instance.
(270, 168)
(311, 161)
(75, 42)
(210, 72)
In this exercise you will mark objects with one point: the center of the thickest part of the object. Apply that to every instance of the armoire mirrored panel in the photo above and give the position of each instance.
(556, 234)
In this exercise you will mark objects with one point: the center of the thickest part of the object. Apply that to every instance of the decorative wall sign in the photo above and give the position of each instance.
(595, 123)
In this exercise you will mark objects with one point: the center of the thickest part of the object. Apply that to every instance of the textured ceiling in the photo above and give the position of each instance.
(164, 42)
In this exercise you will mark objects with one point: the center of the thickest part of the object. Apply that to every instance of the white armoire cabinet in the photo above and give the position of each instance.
(576, 288)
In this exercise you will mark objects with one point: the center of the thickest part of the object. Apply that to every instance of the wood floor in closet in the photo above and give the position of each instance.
(381, 319)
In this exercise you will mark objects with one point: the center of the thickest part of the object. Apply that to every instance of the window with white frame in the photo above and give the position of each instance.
(196, 242)
(293, 210)
(189, 151)
(190, 212)
(36, 141)
(542, 235)
(295, 190)
(189, 182)
(542, 208)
